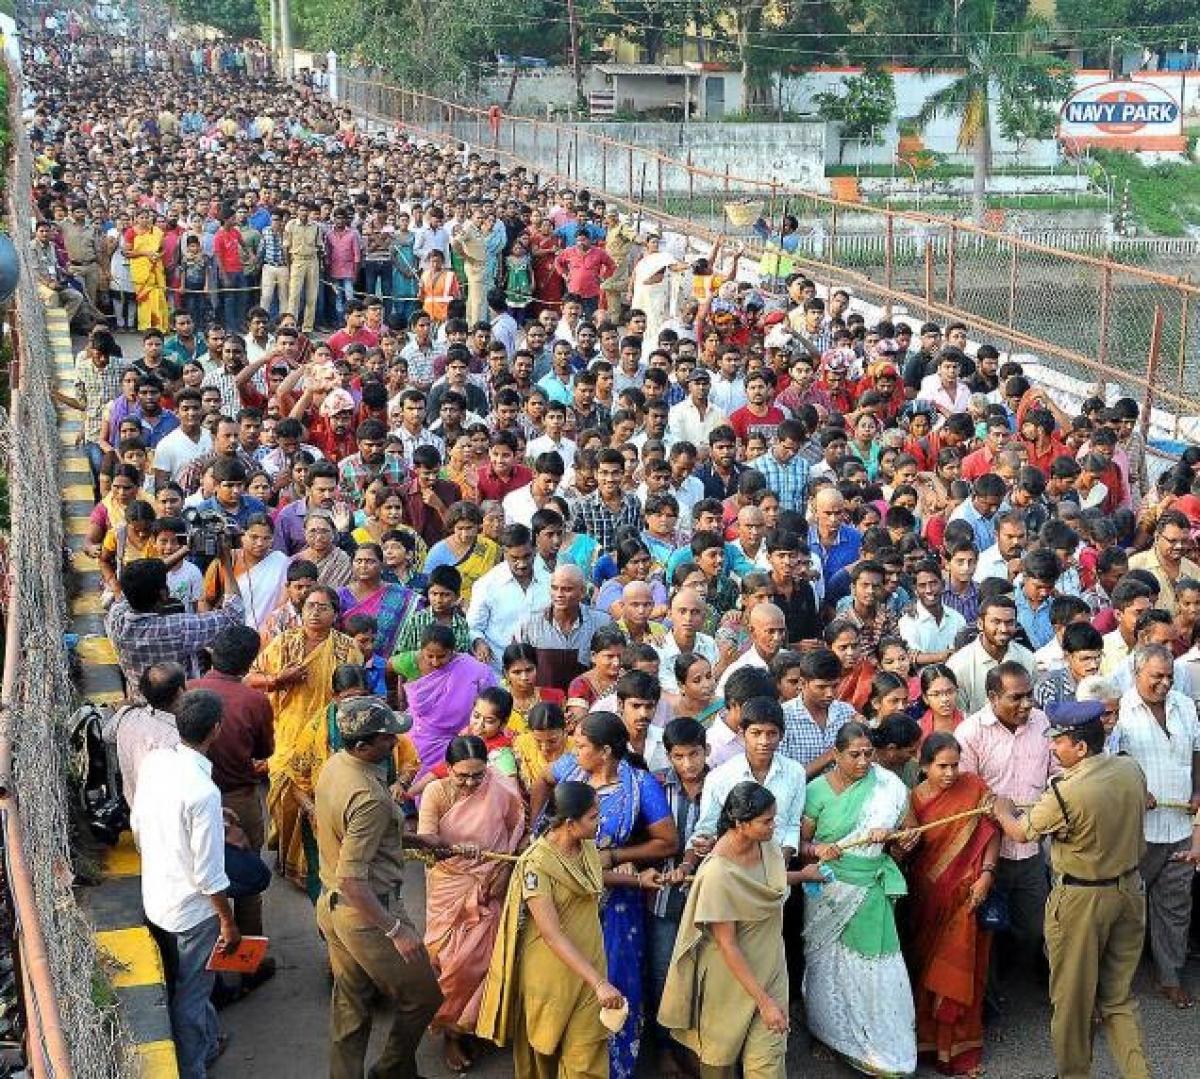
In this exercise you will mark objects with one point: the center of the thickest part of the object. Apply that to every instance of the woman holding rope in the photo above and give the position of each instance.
(951, 876)
(473, 807)
(850, 926)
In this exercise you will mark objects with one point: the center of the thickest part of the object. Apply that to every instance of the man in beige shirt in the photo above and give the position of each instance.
(1172, 536)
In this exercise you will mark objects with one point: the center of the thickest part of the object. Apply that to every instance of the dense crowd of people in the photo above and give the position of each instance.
(701, 638)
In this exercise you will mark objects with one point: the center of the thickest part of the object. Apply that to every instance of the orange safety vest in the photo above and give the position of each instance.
(437, 292)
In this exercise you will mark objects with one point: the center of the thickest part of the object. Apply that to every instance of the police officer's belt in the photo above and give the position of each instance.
(384, 898)
(1107, 882)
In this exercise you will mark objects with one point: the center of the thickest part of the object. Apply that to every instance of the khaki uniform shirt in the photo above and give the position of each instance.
(1102, 834)
(302, 242)
(82, 243)
(358, 826)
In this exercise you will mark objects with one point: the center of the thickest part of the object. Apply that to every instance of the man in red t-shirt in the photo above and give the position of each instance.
(501, 474)
(758, 415)
(354, 332)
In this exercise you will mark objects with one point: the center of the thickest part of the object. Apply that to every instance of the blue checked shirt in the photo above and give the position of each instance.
(789, 482)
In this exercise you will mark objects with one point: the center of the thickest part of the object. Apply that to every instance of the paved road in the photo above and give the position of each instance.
(281, 1030)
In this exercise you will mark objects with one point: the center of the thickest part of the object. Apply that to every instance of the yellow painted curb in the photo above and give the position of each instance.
(156, 1060)
(97, 650)
(89, 603)
(123, 860)
(77, 526)
(77, 492)
(136, 955)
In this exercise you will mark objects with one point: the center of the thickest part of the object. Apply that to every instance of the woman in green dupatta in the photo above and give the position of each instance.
(547, 980)
(857, 996)
(726, 995)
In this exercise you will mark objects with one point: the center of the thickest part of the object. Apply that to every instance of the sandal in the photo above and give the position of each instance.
(1178, 996)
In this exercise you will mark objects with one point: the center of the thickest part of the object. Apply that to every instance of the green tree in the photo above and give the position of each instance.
(1001, 67)
(862, 110)
(238, 18)
(652, 24)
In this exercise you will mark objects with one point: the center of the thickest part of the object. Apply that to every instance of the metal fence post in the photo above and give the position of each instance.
(1152, 369)
(1105, 313)
(691, 178)
(951, 256)
(658, 178)
(604, 165)
(557, 148)
(889, 257)
(631, 172)
(1185, 300)
(928, 276)
(1012, 296)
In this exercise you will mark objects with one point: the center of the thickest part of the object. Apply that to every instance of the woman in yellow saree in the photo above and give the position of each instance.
(143, 247)
(296, 672)
(547, 983)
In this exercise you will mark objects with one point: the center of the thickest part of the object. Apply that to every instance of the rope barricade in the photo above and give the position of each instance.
(72, 1032)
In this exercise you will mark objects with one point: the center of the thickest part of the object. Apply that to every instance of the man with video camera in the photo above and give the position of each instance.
(147, 626)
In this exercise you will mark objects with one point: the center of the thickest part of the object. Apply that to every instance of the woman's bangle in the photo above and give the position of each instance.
(394, 932)
(988, 869)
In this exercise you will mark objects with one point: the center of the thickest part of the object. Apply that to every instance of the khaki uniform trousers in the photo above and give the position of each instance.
(1094, 937)
(365, 966)
(763, 1056)
(477, 309)
(275, 280)
(303, 280)
(582, 1053)
(89, 275)
(247, 803)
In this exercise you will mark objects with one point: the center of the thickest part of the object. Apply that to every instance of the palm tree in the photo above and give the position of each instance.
(1001, 66)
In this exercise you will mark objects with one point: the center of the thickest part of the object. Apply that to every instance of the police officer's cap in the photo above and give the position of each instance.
(362, 717)
(1071, 717)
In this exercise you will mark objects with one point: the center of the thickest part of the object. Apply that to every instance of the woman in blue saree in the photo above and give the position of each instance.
(636, 829)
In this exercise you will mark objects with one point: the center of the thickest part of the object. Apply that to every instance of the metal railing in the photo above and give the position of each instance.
(70, 1030)
(1093, 315)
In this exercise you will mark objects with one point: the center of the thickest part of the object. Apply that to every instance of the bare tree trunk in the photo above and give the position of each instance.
(983, 164)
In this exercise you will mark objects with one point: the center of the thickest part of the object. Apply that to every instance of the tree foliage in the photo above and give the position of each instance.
(1004, 68)
(863, 108)
(238, 18)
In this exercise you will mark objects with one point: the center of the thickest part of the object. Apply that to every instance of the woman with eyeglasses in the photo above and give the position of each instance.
(320, 548)
(473, 808)
(850, 933)
(295, 671)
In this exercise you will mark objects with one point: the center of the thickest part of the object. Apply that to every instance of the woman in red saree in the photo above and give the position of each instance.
(548, 285)
(950, 877)
(474, 808)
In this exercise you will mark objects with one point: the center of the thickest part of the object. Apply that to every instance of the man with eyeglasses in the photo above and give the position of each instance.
(1172, 537)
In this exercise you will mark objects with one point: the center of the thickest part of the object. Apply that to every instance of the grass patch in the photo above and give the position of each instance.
(1165, 199)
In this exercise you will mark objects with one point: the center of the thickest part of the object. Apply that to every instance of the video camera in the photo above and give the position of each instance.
(210, 533)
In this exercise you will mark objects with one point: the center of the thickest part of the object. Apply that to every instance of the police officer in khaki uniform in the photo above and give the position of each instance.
(302, 246)
(374, 948)
(1096, 915)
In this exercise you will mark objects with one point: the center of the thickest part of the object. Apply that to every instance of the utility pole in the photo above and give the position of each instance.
(574, 28)
(273, 10)
(285, 38)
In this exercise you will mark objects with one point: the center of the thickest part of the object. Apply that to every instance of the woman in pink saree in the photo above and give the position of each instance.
(441, 698)
(474, 808)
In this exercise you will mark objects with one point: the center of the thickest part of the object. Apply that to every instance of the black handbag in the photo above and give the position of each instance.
(992, 913)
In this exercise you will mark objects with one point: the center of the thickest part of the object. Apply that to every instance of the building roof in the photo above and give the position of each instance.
(647, 70)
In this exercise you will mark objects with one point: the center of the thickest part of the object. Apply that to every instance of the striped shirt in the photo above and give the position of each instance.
(1165, 757)
(803, 740)
(685, 812)
(95, 388)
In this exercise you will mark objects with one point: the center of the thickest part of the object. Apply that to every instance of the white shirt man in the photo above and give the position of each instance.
(177, 450)
(499, 603)
(564, 447)
(922, 632)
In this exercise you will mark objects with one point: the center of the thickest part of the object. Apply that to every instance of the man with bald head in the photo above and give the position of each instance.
(829, 536)
(768, 635)
(688, 610)
(637, 604)
(562, 632)
(748, 552)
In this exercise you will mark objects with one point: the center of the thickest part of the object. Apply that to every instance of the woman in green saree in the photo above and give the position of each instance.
(857, 996)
